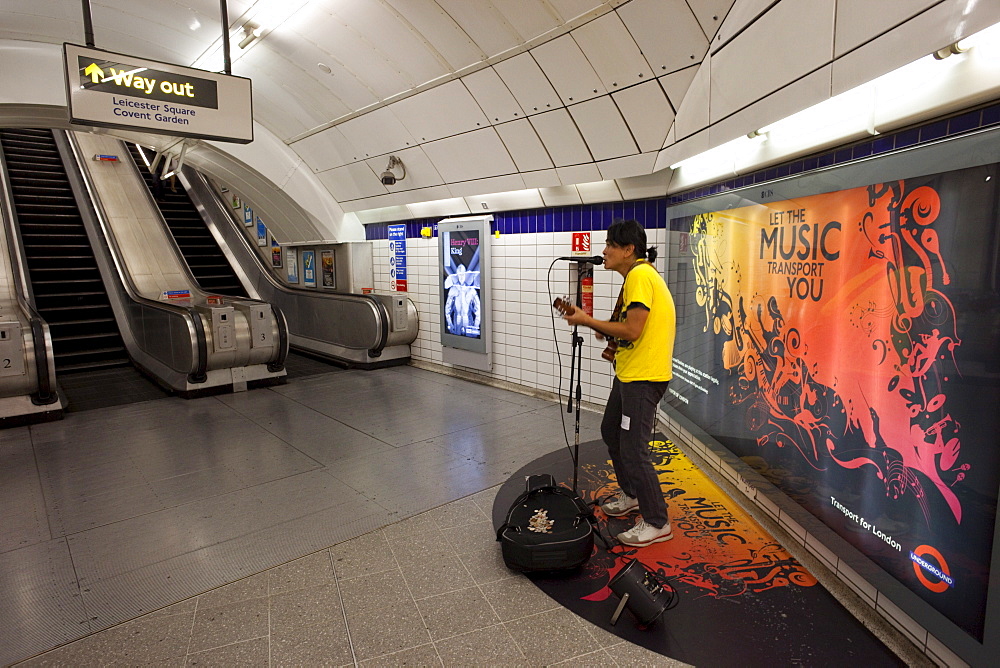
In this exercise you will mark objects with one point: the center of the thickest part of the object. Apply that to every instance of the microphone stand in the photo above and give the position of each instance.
(576, 370)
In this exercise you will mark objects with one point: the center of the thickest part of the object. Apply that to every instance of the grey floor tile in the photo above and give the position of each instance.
(315, 570)
(628, 654)
(486, 565)
(491, 646)
(249, 654)
(458, 513)
(485, 499)
(599, 659)
(432, 576)
(516, 597)
(364, 555)
(255, 586)
(550, 637)
(228, 624)
(308, 628)
(456, 612)
(424, 655)
(471, 537)
(382, 616)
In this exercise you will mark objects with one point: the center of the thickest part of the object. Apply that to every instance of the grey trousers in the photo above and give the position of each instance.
(626, 429)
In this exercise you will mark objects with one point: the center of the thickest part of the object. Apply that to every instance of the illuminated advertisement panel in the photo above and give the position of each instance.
(464, 283)
(844, 346)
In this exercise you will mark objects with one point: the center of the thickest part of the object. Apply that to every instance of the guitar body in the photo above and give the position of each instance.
(564, 307)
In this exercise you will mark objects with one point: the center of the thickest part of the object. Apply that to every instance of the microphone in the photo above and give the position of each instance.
(597, 259)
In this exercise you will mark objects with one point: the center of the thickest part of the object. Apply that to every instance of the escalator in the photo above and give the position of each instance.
(208, 264)
(68, 291)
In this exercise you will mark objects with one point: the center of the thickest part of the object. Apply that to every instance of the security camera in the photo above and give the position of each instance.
(388, 177)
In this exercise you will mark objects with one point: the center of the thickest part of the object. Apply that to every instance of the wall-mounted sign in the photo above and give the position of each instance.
(309, 268)
(275, 253)
(581, 244)
(329, 269)
(261, 232)
(397, 257)
(292, 265)
(247, 215)
(118, 91)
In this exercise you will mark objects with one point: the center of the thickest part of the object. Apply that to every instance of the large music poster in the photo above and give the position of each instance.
(844, 345)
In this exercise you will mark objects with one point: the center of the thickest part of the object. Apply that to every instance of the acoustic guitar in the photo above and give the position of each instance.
(564, 307)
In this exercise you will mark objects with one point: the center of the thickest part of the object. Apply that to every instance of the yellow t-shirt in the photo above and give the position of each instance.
(650, 357)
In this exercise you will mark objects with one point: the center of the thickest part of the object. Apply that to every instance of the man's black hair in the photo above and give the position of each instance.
(625, 232)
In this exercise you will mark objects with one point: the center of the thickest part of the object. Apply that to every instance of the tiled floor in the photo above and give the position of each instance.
(428, 591)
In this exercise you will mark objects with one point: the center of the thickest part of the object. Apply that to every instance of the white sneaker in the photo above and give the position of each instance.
(643, 534)
(621, 504)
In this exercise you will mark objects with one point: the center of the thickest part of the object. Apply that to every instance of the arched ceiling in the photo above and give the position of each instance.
(448, 84)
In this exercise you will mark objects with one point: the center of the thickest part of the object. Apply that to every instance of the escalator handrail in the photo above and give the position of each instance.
(42, 341)
(194, 321)
(190, 176)
(279, 318)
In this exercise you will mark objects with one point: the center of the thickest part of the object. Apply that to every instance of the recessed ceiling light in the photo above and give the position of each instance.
(324, 67)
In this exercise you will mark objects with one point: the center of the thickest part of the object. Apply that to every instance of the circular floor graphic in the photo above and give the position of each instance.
(744, 600)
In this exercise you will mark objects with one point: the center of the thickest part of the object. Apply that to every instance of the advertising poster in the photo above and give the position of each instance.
(275, 253)
(247, 215)
(291, 265)
(397, 257)
(237, 202)
(309, 268)
(844, 346)
(329, 270)
(462, 295)
(261, 232)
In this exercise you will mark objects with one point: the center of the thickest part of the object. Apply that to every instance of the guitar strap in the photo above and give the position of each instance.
(617, 315)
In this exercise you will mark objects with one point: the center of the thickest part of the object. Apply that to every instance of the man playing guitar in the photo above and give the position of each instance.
(643, 325)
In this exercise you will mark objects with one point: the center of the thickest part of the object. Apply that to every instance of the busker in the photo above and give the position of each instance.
(643, 327)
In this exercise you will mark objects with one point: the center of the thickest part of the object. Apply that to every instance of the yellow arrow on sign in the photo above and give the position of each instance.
(94, 72)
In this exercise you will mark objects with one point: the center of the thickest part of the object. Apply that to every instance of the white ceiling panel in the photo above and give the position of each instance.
(352, 181)
(667, 32)
(598, 191)
(711, 14)
(420, 171)
(473, 155)
(445, 110)
(486, 26)
(791, 47)
(644, 187)
(529, 19)
(603, 128)
(742, 14)
(439, 30)
(377, 132)
(613, 53)
(357, 55)
(647, 112)
(560, 196)
(568, 70)
(495, 184)
(857, 23)
(543, 178)
(570, 9)
(505, 201)
(342, 83)
(693, 113)
(492, 95)
(561, 138)
(392, 38)
(631, 165)
(525, 80)
(524, 145)
(326, 150)
(676, 85)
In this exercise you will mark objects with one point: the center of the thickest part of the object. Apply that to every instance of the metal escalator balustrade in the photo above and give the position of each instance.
(208, 264)
(68, 290)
